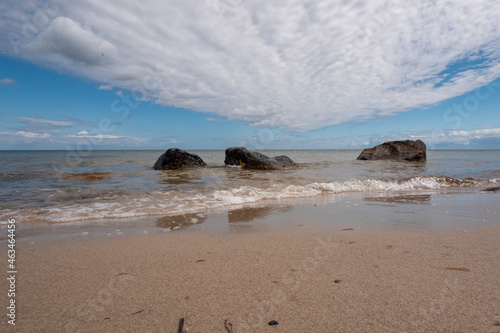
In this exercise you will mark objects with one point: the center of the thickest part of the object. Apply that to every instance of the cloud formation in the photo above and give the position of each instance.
(298, 65)
(459, 137)
(6, 81)
(40, 121)
(105, 87)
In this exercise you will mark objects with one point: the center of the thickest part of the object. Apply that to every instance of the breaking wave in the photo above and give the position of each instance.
(157, 203)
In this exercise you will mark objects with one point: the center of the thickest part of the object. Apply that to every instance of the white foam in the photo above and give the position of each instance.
(170, 203)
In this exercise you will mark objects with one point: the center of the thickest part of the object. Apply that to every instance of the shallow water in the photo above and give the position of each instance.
(61, 186)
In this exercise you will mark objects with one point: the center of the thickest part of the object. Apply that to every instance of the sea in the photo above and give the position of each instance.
(54, 187)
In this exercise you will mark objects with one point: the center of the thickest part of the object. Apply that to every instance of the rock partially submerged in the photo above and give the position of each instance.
(175, 158)
(254, 160)
(408, 150)
(492, 189)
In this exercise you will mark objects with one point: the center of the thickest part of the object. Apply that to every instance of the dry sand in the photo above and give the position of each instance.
(418, 281)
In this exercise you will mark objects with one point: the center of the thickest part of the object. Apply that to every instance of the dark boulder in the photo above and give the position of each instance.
(492, 189)
(254, 160)
(408, 150)
(175, 158)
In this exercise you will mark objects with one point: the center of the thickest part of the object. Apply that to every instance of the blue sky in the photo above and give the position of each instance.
(248, 74)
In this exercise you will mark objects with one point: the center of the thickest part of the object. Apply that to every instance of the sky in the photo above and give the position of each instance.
(211, 74)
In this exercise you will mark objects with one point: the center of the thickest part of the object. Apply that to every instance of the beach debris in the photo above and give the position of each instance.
(461, 269)
(338, 281)
(348, 229)
(254, 160)
(408, 150)
(200, 260)
(181, 325)
(273, 322)
(119, 233)
(137, 312)
(145, 232)
(388, 246)
(175, 158)
(228, 326)
(85, 233)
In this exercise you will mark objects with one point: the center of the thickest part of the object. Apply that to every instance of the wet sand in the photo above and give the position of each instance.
(309, 280)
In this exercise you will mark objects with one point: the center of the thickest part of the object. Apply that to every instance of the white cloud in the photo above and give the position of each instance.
(105, 87)
(85, 134)
(6, 81)
(33, 135)
(462, 137)
(40, 120)
(298, 64)
(123, 140)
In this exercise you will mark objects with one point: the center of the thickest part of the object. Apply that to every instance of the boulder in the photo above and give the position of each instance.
(492, 189)
(175, 158)
(254, 160)
(408, 150)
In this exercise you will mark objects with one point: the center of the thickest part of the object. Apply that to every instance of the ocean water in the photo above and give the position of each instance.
(61, 186)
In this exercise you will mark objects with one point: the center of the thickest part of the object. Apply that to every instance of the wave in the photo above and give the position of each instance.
(129, 205)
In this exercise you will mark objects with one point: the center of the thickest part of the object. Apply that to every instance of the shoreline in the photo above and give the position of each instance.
(412, 211)
(391, 281)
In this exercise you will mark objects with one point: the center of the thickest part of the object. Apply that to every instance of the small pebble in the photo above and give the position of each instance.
(273, 322)
(119, 233)
(338, 281)
(144, 232)
(175, 228)
(166, 230)
(446, 212)
(85, 233)
(483, 220)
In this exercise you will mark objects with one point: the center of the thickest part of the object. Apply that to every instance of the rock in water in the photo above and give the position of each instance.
(408, 150)
(175, 158)
(254, 160)
(492, 189)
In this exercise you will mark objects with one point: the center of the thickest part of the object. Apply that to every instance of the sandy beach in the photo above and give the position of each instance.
(307, 280)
